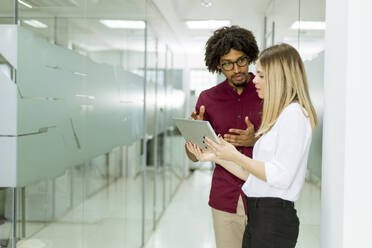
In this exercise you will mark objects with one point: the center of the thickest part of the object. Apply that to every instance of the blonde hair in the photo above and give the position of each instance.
(285, 83)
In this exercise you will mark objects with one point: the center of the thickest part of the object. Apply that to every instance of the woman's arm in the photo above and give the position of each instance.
(226, 152)
(292, 147)
(205, 155)
(190, 155)
(255, 167)
(233, 168)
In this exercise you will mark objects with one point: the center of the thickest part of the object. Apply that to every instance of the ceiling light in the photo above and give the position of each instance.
(206, 3)
(124, 24)
(308, 25)
(35, 23)
(209, 24)
(25, 4)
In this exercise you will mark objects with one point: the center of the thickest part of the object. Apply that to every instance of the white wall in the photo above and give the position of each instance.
(347, 167)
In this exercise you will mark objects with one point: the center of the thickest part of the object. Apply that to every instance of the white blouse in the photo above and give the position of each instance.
(284, 151)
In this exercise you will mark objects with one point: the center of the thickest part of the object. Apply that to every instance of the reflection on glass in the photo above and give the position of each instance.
(80, 80)
(302, 25)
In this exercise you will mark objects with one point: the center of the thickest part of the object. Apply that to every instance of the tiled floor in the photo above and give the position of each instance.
(102, 221)
(187, 222)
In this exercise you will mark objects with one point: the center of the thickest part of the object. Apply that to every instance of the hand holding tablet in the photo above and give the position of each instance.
(195, 131)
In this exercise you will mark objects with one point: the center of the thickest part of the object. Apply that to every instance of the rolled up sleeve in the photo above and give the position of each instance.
(293, 135)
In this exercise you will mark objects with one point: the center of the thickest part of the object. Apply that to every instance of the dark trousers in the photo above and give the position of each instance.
(272, 223)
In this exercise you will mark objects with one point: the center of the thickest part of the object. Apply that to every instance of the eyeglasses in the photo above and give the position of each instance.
(242, 61)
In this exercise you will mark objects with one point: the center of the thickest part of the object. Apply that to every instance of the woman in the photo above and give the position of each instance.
(276, 174)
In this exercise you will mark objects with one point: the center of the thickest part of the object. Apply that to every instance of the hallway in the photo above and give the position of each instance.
(187, 222)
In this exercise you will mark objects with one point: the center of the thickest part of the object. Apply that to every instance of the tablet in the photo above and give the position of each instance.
(195, 131)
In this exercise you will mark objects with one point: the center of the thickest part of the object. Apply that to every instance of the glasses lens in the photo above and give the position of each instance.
(242, 61)
(227, 66)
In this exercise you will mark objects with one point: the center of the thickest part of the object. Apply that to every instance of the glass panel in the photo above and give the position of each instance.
(81, 119)
(151, 132)
(161, 110)
(311, 48)
(174, 143)
(278, 21)
(80, 84)
(7, 16)
(7, 12)
(312, 51)
(295, 25)
(6, 216)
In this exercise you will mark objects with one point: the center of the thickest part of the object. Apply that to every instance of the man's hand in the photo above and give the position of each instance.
(242, 137)
(200, 116)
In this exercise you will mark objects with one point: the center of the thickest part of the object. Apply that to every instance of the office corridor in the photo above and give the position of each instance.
(187, 222)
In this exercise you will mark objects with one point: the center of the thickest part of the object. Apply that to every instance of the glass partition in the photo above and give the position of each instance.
(301, 23)
(151, 132)
(7, 200)
(311, 28)
(311, 47)
(7, 12)
(80, 123)
(83, 68)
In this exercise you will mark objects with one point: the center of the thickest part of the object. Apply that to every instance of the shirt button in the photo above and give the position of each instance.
(238, 99)
(239, 116)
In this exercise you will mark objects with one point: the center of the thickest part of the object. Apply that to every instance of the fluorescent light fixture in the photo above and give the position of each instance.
(308, 25)
(206, 3)
(25, 4)
(86, 96)
(124, 24)
(35, 23)
(80, 73)
(209, 24)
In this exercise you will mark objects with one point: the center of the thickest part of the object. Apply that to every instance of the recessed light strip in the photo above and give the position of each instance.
(25, 4)
(207, 24)
(307, 25)
(206, 3)
(124, 24)
(35, 23)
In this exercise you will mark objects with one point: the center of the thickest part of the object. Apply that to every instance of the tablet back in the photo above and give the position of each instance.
(195, 130)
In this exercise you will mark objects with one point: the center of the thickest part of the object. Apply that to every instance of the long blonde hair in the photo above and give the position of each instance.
(285, 83)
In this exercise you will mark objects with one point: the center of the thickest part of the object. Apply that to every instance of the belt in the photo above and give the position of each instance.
(268, 202)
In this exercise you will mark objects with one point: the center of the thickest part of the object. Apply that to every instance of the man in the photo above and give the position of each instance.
(233, 109)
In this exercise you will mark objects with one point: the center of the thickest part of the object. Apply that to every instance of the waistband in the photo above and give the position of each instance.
(255, 202)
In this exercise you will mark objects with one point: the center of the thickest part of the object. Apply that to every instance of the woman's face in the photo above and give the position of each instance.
(259, 81)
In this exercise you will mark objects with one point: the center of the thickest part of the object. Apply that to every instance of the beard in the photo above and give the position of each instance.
(239, 83)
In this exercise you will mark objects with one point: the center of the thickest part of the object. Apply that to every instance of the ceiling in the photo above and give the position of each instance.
(245, 13)
(166, 20)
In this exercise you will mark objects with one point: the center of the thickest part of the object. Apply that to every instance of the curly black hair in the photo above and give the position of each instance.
(223, 40)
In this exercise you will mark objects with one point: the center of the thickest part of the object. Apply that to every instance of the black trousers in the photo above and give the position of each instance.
(272, 223)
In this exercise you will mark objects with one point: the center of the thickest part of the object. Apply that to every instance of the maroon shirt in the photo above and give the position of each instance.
(225, 109)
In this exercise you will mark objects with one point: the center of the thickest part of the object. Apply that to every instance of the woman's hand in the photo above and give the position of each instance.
(224, 150)
(201, 155)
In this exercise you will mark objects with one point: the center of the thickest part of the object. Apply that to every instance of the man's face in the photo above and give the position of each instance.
(234, 66)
